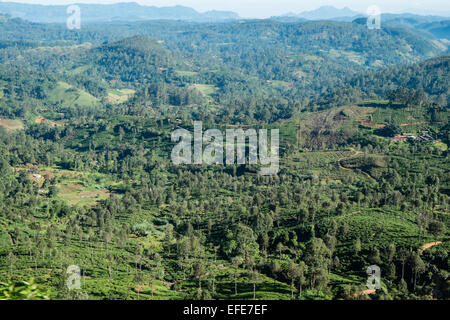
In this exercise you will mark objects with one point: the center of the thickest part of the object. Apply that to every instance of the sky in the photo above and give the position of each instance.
(267, 8)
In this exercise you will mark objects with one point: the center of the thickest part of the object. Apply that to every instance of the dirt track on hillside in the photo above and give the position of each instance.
(429, 245)
(367, 291)
(357, 153)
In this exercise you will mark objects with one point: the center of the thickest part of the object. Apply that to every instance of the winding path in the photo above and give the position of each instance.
(357, 153)
(429, 245)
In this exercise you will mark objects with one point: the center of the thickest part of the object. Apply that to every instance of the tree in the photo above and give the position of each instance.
(318, 259)
(200, 272)
(292, 273)
(11, 259)
(53, 191)
(279, 249)
(236, 261)
(422, 221)
(246, 245)
(168, 236)
(212, 270)
(157, 270)
(402, 257)
(276, 268)
(330, 242)
(417, 266)
(390, 274)
(357, 246)
(255, 277)
(391, 252)
(375, 256)
(389, 130)
(436, 228)
(301, 276)
(296, 272)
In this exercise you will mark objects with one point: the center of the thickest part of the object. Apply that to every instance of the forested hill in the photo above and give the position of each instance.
(441, 29)
(312, 36)
(251, 66)
(137, 59)
(242, 64)
(21, 91)
(245, 44)
(431, 76)
(86, 178)
(19, 29)
(311, 58)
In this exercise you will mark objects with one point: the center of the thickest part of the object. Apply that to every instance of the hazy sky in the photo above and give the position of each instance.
(266, 8)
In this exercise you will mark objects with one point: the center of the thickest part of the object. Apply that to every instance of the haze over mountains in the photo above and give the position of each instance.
(132, 11)
(326, 12)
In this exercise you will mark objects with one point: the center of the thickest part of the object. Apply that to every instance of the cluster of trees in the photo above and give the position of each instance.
(162, 94)
(407, 97)
(22, 92)
(312, 59)
(287, 227)
(413, 85)
(133, 60)
(192, 226)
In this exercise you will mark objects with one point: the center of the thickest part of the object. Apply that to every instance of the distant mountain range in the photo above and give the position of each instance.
(327, 12)
(129, 11)
(132, 11)
(346, 14)
(437, 26)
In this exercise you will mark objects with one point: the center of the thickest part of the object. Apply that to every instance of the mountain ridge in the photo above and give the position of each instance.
(327, 12)
(125, 11)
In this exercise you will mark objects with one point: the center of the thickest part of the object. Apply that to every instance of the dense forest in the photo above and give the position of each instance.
(86, 179)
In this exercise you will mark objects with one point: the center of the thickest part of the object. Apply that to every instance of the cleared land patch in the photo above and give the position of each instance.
(69, 96)
(206, 89)
(77, 194)
(11, 124)
(117, 96)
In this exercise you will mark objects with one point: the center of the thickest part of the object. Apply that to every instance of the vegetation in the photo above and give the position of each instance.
(86, 179)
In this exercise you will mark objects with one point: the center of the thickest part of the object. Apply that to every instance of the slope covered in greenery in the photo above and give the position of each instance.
(430, 77)
(86, 119)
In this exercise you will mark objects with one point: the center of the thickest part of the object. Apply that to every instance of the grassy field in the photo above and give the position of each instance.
(381, 226)
(68, 96)
(206, 89)
(77, 188)
(76, 194)
(186, 73)
(11, 124)
(117, 96)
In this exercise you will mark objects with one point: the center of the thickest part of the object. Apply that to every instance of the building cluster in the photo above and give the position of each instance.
(425, 136)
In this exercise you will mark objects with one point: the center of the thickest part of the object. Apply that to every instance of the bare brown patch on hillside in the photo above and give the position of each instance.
(411, 124)
(42, 120)
(365, 292)
(366, 122)
(429, 245)
(10, 124)
(39, 120)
